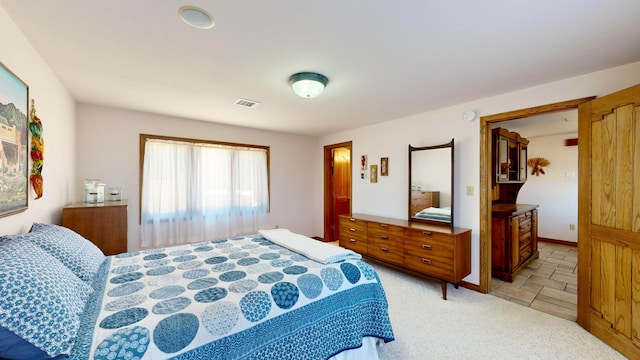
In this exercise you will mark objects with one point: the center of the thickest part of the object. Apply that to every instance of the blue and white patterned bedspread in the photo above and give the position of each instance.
(227, 299)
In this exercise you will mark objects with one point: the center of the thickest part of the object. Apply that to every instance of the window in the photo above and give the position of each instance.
(195, 190)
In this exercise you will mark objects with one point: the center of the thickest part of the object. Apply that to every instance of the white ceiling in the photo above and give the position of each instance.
(384, 59)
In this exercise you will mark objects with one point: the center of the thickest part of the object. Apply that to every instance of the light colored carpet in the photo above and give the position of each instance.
(471, 325)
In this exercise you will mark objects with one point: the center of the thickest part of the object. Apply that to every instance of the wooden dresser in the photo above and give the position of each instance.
(514, 238)
(104, 224)
(429, 251)
(421, 200)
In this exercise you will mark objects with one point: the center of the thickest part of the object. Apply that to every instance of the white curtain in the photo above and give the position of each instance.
(196, 192)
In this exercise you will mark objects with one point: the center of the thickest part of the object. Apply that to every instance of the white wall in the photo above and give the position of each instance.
(388, 197)
(108, 149)
(55, 107)
(557, 190)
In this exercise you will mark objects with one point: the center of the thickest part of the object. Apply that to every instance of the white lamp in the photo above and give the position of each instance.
(308, 84)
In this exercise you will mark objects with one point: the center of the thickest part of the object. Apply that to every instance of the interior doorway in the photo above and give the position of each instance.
(486, 194)
(547, 280)
(337, 187)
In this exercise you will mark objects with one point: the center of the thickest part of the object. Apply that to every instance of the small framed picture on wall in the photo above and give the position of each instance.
(363, 166)
(374, 174)
(384, 166)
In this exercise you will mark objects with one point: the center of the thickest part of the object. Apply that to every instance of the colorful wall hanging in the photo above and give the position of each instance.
(37, 152)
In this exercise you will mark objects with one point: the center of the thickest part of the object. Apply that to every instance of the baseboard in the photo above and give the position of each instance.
(555, 241)
(470, 286)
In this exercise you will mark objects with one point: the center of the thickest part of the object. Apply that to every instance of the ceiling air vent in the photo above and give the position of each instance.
(246, 103)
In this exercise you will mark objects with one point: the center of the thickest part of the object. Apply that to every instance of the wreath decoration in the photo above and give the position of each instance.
(537, 165)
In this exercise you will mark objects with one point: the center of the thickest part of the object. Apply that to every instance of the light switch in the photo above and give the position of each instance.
(469, 190)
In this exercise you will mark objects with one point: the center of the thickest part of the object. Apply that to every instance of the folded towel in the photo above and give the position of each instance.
(313, 249)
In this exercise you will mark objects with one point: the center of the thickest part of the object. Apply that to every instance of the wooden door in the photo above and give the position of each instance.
(337, 187)
(341, 187)
(609, 219)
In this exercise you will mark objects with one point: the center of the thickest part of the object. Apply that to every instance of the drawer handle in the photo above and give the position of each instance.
(352, 219)
(384, 249)
(384, 225)
(426, 261)
(426, 246)
(352, 229)
(426, 233)
(384, 237)
(352, 240)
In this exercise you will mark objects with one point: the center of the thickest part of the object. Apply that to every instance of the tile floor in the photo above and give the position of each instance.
(548, 284)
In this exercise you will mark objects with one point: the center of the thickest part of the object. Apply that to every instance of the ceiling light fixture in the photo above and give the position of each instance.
(308, 84)
(196, 17)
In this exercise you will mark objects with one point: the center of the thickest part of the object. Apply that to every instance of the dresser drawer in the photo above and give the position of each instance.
(525, 252)
(388, 238)
(385, 242)
(525, 246)
(353, 223)
(393, 242)
(524, 224)
(432, 266)
(429, 248)
(430, 237)
(386, 251)
(382, 229)
(354, 239)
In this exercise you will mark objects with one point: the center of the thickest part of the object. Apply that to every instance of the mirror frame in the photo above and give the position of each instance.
(442, 146)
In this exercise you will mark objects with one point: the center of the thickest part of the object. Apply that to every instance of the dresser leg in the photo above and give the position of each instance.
(444, 289)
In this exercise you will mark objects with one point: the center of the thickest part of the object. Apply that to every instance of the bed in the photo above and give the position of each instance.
(249, 297)
(435, 214)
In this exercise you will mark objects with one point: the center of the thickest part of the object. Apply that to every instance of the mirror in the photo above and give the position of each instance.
(431, 184)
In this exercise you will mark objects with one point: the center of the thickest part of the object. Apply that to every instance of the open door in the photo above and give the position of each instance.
(609, 219)
(337, 187)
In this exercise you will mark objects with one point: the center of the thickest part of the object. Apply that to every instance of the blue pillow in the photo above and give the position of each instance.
(80, 255)
(41, 300)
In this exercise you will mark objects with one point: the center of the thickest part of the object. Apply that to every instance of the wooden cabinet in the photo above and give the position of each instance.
(514, 239)
(514, 227)
(510, 156)
(429, 251)
(104, 224)
(421, 200)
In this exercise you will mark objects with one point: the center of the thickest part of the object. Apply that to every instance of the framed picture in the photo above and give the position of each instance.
(384, 166)
(374, 174)
(14, 143)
